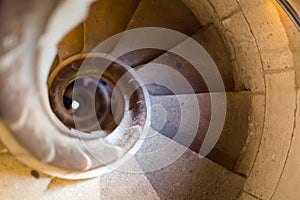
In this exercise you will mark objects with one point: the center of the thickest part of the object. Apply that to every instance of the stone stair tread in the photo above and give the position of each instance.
(72, 43)
(205, 37)
(189, 176)
(17, 181)
(69, 189)
(123, 184)
(107, 18)
(193, 178)
(153, 14)
(218, 51)
(169, 112)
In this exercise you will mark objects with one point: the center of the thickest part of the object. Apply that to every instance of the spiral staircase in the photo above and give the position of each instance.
(244, 56)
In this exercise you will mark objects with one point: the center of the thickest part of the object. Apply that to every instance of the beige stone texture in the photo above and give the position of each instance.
(3, 149)
(202, 10)
(117, 22)
(249, 67)
(278, 128)
(255, 130)
(193, 178)
(189, 176)
(245, 196)
(76, 190)
(294, 40)
(16, 181)
(258, 40)
(289, 187)
(72, 43)
(269, 33)
(219, 53)
(237, 39)
(123, 185)
(224, 8)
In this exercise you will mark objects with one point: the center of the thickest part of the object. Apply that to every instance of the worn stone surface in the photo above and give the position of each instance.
(269, 33)
(16, 181)
(201, 9)
(3, 149)
(126, 185)
(175, 172)
(107, 18)
(268, 41)
(178, 117)
(225, 8)
(245, 196)
(278, 128)
(153, 14)
(179, 66)
(289, 187)
(72, 43)
(212, 41)
(193, 178)
(248, 66)
(294, 40)
(78, 190)
(233, 137)
(188, 80)
(255, 130)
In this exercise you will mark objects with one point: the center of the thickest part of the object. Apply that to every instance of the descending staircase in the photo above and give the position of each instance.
(190, 176)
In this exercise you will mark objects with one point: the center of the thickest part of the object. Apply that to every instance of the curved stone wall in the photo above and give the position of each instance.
(264, 58)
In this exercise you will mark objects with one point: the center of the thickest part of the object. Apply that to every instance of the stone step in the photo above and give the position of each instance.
(72, 43)
(18, 181)
(174, 116)
(127, 183)
(210, 39)
(176, 172)
(60, 189)
(148, 175)
(3, 148)
(107, 18)
(157, 13)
